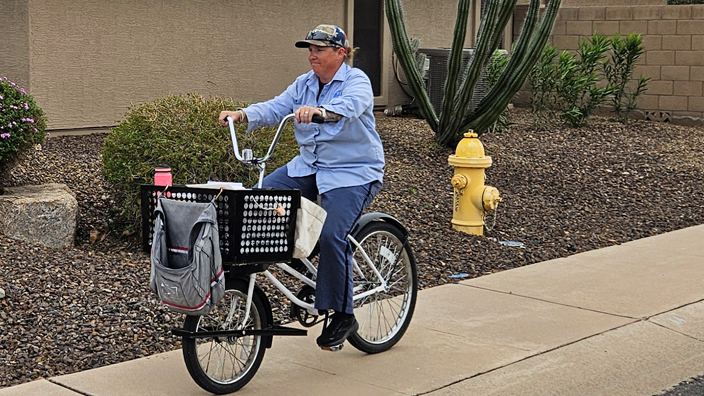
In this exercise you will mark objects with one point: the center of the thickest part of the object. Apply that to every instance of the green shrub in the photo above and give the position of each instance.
(22, 125)
(618, 70)
(182, 132)
(577, 88)
(542, 83)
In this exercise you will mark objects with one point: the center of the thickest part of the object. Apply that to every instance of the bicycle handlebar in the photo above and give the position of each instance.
(247, 155)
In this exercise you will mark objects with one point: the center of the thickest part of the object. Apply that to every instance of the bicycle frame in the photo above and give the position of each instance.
(289, 294)
(247, 158)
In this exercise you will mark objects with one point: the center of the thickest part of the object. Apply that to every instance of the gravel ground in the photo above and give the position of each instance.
(690, 387)
(565, 191)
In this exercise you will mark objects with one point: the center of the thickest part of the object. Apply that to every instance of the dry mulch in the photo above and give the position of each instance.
(565, 190)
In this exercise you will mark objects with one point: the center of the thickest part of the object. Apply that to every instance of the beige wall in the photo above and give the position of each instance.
(86, 61)
(673, 38)
(433, 22)
(90, 59)
(14, 41)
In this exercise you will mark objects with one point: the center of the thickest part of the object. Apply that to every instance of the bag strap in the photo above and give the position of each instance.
(159, 209)
(201, 227)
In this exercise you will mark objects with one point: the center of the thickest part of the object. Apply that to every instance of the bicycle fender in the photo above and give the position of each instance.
(244, 282)
(377, 216)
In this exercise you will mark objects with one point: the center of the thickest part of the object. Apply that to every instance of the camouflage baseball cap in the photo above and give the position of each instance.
(325, 36)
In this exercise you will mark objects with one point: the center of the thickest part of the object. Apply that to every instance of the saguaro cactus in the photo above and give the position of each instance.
(455, 117)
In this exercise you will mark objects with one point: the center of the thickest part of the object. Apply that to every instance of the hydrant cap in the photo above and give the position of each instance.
(470, 147)
(491, 198)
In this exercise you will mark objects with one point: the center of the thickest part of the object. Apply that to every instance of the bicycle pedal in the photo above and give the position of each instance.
(333, 348)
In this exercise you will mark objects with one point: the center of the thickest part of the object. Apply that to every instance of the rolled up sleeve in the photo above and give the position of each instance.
(355, 98)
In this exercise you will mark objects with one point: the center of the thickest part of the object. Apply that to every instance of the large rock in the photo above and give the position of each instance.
(44, 214)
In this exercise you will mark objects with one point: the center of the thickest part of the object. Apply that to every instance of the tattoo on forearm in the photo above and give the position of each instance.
(332, 117)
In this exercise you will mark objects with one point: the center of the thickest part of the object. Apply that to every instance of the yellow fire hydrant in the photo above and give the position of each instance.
(472, 199)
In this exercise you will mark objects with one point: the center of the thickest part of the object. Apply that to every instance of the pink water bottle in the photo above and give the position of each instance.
(162, 175)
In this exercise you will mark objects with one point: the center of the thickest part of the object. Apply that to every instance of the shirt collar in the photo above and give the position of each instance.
(341, 72)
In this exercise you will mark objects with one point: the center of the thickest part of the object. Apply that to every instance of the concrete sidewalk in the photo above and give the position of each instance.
(624, 320)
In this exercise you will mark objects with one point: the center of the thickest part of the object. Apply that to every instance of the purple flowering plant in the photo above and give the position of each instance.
(22, 124)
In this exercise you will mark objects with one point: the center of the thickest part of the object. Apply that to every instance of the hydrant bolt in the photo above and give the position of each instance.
(459, 182)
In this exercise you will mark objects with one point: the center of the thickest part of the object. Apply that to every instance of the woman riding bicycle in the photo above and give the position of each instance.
(340, 161)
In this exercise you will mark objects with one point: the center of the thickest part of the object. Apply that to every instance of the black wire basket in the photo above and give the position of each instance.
(255, 226)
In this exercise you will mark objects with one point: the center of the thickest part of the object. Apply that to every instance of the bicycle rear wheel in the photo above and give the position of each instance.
(384, 316)
(225, 364)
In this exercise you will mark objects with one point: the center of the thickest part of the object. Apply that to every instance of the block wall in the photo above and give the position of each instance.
(673, 38)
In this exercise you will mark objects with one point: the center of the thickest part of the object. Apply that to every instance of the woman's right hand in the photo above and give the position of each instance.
(236, 116)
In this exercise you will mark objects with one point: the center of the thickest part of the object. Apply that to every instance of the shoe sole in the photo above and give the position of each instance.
(333, 348)
(340, 342)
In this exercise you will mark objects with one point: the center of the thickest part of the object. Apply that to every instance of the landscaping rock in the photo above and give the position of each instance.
(43, 214)
(566, 190)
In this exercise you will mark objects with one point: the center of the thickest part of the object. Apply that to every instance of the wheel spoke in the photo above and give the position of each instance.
(396, 313)
(221, 364)
(384, 315)
(392, 276)
(208, 354)
(379, 321)
(393, 285)
(236, 362)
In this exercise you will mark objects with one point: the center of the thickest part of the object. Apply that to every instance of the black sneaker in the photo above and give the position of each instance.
(336, 332)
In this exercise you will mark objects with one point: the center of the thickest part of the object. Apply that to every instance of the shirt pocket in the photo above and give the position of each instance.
(332, 129)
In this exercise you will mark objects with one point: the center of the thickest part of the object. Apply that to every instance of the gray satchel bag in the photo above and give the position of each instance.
(186, 264)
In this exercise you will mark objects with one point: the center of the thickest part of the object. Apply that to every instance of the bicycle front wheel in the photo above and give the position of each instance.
(223, 365)
(385, 315)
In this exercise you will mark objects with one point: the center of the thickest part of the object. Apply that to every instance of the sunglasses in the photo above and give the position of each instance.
(320, 35)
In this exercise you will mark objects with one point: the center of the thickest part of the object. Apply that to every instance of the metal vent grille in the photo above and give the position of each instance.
(438, 75)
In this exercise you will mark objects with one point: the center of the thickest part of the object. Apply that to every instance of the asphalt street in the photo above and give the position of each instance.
(691, 387)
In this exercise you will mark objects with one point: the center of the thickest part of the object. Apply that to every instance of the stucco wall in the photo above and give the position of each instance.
(673, 38)
(433, 22)
(86, 61)
(90, 59)
(14, 41)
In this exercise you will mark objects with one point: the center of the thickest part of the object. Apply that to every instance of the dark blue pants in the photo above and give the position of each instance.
(343, 206)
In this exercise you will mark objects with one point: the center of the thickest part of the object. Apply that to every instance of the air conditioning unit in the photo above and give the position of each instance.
(437, 75)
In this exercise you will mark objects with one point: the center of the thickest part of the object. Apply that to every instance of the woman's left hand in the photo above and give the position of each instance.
(305, 114)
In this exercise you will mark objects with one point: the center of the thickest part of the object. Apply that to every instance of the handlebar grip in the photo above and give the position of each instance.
(318, 119)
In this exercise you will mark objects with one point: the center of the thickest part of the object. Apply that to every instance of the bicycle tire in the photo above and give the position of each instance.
(384, 316)
(226, 364)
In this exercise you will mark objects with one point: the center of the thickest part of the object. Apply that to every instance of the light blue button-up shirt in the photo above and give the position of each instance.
(342, 154)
